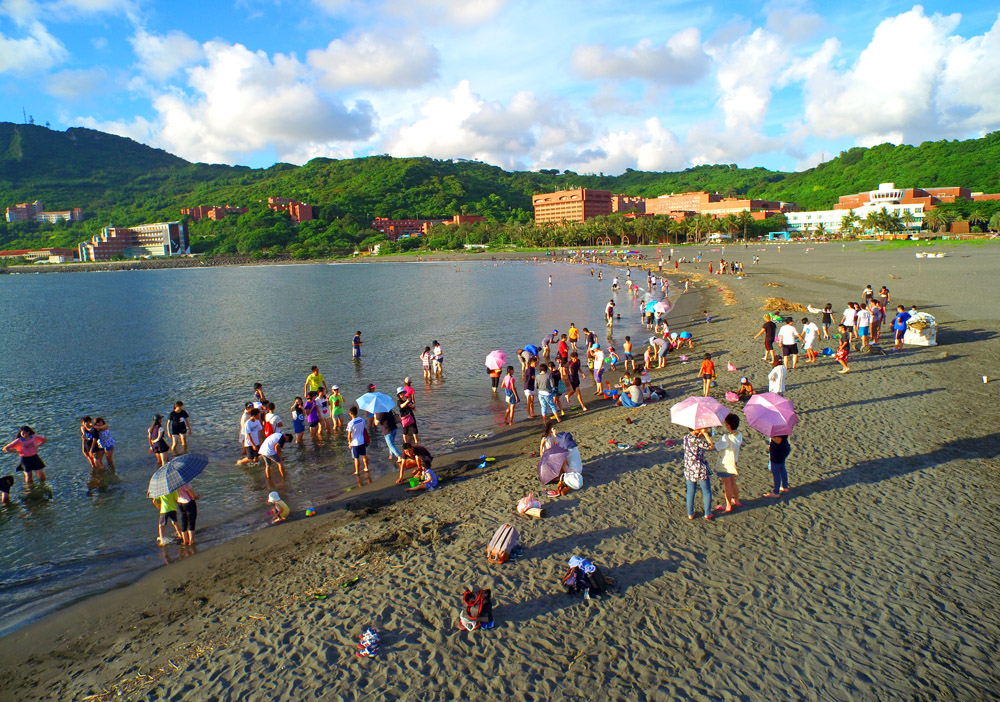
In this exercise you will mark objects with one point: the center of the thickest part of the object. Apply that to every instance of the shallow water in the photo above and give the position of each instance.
(125, 345)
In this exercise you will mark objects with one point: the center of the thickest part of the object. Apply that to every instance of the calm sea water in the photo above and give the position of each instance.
(125, 345)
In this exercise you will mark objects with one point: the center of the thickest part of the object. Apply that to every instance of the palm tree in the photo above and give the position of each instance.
(908, 220)
(848, 224)
(933, 220)
(978, 217)
(995, 222)
(871, 222)
(744, 219)
(730, 223)
(819, 230)
(677, 227)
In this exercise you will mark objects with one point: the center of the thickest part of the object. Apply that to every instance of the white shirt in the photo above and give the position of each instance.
(274, 420)
(728, 447)
(849, 317)
(243, 424)
(252, 429)
(787, 335)
(809, 331)
(269, 447)
(863, 318)
(776, 379)
(356, 430)
(324, 406)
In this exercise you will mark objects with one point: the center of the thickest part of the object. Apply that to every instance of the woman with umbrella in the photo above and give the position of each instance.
(773, 416)
(187, 505)
(170, 490)
(494, 363)
(696, 471)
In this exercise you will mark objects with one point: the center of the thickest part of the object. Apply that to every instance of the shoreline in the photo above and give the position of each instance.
(874, 572)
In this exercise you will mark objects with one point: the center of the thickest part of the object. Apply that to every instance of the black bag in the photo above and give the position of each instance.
(477, 610)
(577, 580)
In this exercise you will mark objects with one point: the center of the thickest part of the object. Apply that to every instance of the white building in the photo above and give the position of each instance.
(887, 196)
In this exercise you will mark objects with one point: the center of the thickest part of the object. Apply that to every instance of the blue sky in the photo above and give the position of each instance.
(590, 86)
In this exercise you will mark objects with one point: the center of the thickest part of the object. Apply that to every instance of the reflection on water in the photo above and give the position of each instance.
(126, 345)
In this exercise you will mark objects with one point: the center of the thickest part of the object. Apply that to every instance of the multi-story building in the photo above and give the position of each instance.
(401, 228)
(27, 211)
(628, 203)
(460, 219)
(298, 211)
(49, 255)
(571, 205)
(715, 205)
(159, 239)
(213, 212)
(906, 203)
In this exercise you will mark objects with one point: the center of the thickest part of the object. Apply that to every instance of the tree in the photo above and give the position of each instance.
(819, 230)
(995, 222)
(849, 224)
(745, 220)
(908, 219)
(872, 222)
(978, 217)
(730, 223)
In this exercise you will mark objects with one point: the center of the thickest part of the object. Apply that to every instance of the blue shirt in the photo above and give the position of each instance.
(899, 323)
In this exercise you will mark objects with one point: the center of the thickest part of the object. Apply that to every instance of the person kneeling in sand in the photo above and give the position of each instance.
(631, 395)
(415, 458)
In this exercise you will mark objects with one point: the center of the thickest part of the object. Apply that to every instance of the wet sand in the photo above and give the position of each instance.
(874, 579)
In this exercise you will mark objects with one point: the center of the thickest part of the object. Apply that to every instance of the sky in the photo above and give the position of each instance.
(585, 85)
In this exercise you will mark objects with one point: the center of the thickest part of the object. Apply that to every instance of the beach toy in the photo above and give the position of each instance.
(414, 482)
(683, 359)
(827, 351)
(730, 367)
(310, 511)
(669, 442)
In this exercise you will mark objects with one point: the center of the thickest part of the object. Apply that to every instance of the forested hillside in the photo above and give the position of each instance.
(117, 180)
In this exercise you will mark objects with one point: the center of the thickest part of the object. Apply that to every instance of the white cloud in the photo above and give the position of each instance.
(681, 61)
(99, 43)
(96, 6)
(651, 147)
(138, 129)
(791, 20)
(456, 13)
(916, 79)
(77, 84)
(36, 52)
(376, 61)
(747, 71)
(21, 11)
(244, 102)
(160, 57)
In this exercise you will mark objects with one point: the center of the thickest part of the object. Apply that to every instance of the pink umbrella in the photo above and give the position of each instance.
(771, 414)
(662, 307)
(699, 413)
(496, 360)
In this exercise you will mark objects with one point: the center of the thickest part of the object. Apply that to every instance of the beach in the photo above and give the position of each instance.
(873, 579)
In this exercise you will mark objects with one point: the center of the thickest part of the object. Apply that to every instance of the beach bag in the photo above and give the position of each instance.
(477, 610)
(529, 502)
(578, 580)
(408, 420)
(732, 397)
(502, 544)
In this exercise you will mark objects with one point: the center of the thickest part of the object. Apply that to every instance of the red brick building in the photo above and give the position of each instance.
(571, 205)
(889, 194)
(298, 211)
(396, 228)
(213, 212)
(715, 205)
(35, 211)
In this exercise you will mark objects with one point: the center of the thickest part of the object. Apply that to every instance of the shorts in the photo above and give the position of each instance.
(789, 349)
(900, 334)
(863, 331)
(356, 351)
(410, 430)
(511, 398)
(661, 352)
(170, 516)
(31, 463)
(685, 335)
(359, 451)
(529, 393)
(252, 453)
(298, 426)
(189, 515)
(629, 357)
(178, 429)
(574, 385)
(705, 376)
(768, 344)
(313, 425)
(160, 447)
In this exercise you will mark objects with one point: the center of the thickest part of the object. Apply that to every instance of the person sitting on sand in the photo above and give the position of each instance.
(279, 510)
(631, 395)
(571, 473)
(415, 459)
(745, 390)
(728, 446)
(776, 378)
(428, 481)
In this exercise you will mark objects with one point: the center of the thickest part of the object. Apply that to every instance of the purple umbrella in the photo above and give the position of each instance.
(496, 360)
(771, 414)
(551, 463)
(699, 413)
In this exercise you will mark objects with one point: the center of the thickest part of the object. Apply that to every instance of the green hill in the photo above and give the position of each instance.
(117, 180)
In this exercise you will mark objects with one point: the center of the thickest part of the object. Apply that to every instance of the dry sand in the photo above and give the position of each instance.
(875, 579)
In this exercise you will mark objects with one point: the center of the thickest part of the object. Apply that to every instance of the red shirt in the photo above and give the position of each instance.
(563, 348)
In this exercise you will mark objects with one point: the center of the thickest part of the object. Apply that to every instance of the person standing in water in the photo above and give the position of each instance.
(437, 360)
(356, 345)
(179, 425)
(26, 446)
(155, 435)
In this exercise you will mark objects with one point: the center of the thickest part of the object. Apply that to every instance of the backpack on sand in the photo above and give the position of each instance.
(477, 610)
(502, 543)
(577, 579)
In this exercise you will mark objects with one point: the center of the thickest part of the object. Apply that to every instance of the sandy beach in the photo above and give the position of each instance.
(874, 579)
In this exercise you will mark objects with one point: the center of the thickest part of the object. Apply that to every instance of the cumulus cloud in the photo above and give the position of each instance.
(746, 72)
(35, 52)
(77, 84)
(916, 79)
(463, 125)
(681, 61)
(792, 20)
(650, 147)
(161, 56)
(376, 61)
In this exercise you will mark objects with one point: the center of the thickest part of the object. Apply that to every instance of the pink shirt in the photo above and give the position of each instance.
(26, 447)
(508, 383)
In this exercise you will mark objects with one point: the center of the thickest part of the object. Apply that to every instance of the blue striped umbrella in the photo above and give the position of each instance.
(180, 471)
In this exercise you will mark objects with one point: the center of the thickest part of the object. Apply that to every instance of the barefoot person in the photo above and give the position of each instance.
(357, 435)
(776, 378)
(844, 349)
(574, 381)
(415, 459)
(696, 470)
(167, 507)
(179, 425)
(106, 441)
(26, 446)
(406, 416)
(777, 452)
(270, 452)
(728, 448)
(510, 393)
(769, 329)
(187, 506)
(707, 373)
(157, 444)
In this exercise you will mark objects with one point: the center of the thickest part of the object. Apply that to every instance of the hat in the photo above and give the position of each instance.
(400, 390)
(274, 497)
(335, 387)
(371, 387)
(555, 331)
(743, 379)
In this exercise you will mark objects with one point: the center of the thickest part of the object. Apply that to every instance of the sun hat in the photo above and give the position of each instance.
(400, 390)
(274, 497)
(743, 379)
(335, 387)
